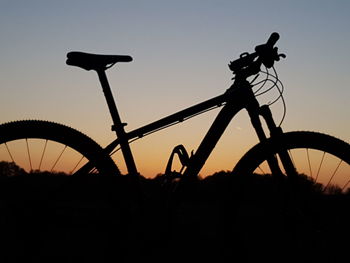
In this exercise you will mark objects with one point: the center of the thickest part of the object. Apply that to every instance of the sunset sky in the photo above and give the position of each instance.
(181, 50)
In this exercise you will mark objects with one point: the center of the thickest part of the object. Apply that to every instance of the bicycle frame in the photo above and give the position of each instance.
(236, 98)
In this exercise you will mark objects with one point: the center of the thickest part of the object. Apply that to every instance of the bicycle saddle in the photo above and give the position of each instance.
(96, 62)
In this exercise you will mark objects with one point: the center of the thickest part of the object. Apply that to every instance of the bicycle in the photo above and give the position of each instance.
(273, 152)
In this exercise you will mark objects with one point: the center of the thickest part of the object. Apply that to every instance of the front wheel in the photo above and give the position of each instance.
(41, 146)
(323, 159)
(299, 220)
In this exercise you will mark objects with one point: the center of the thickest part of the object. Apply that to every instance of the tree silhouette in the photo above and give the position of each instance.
(9, 169)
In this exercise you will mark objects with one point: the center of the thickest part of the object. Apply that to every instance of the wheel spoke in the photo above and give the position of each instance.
(309, 162)
(261, 170)
(29, 157)
(43, 153)
(335, 171)
(9, 152)
(75, 167)
(319, 167)
(58, 158)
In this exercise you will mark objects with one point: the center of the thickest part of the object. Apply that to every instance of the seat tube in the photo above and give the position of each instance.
(118, 125)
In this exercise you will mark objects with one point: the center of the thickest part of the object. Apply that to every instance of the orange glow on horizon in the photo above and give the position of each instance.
(318, 166)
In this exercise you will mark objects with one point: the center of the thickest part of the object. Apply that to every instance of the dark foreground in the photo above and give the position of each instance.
(120, 219)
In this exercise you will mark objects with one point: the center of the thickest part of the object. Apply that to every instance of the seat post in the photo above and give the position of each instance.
(118, 126)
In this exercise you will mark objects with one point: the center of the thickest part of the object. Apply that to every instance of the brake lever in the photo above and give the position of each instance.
(282, 55)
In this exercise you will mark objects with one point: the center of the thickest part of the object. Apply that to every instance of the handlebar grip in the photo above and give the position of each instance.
(273, 39)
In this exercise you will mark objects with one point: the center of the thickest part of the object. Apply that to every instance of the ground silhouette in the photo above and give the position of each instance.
(49, 217)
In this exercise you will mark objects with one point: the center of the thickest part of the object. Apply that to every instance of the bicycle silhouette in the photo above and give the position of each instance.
(277, 153)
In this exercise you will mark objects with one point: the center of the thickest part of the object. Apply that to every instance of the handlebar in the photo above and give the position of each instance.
(272, 39)
(265, 54)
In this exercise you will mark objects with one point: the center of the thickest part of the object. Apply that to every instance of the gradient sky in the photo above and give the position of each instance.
(181, 50)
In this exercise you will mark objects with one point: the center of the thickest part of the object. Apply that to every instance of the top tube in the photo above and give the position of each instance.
(178, 117)
(170, 120)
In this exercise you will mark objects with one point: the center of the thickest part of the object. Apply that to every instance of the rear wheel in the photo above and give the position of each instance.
(40, 146)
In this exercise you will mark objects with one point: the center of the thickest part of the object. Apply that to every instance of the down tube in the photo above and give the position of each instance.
(210, 140)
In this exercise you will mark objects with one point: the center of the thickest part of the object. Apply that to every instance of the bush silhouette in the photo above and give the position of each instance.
(220, 218)
(10, 169)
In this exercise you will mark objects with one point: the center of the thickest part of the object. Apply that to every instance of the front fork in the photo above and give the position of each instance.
(255, 111)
